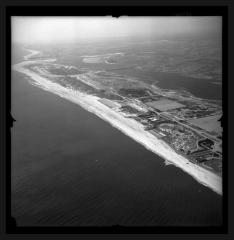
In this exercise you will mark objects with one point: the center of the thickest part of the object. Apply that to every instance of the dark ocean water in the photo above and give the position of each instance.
(71, 168)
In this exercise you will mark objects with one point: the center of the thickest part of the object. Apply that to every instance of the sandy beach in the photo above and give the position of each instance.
(128, 126)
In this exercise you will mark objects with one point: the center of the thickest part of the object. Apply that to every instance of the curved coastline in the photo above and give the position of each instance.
(129, 127)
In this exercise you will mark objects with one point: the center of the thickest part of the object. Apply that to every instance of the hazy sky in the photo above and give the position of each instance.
(61, 29)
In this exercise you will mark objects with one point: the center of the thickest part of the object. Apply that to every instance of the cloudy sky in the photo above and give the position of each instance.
(62, 29)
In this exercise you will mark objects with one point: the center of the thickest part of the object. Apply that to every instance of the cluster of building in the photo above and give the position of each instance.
(162, 116)
(160, 122)
(195, 111)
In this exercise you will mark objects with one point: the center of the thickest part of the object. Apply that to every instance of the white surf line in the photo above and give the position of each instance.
(130, 127)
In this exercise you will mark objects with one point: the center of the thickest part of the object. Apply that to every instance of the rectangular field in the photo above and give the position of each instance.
(209, 123)
(165, 104)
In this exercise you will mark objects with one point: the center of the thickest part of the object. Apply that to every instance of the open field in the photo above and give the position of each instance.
(92, 60)
(164, 104)
(209, 123)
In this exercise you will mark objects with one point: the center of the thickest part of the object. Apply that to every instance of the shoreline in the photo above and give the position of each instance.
(129, 127)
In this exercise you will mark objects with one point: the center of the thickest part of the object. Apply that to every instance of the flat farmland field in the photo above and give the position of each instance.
(209, 123)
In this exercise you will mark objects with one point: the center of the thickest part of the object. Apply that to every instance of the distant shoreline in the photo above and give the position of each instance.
(130, 127)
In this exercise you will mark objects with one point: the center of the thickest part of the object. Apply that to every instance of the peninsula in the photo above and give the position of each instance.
(173, 125)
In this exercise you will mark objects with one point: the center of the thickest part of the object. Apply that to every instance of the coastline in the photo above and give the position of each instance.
(129, 127)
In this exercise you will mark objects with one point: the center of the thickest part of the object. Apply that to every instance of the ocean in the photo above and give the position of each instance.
(71, 168)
